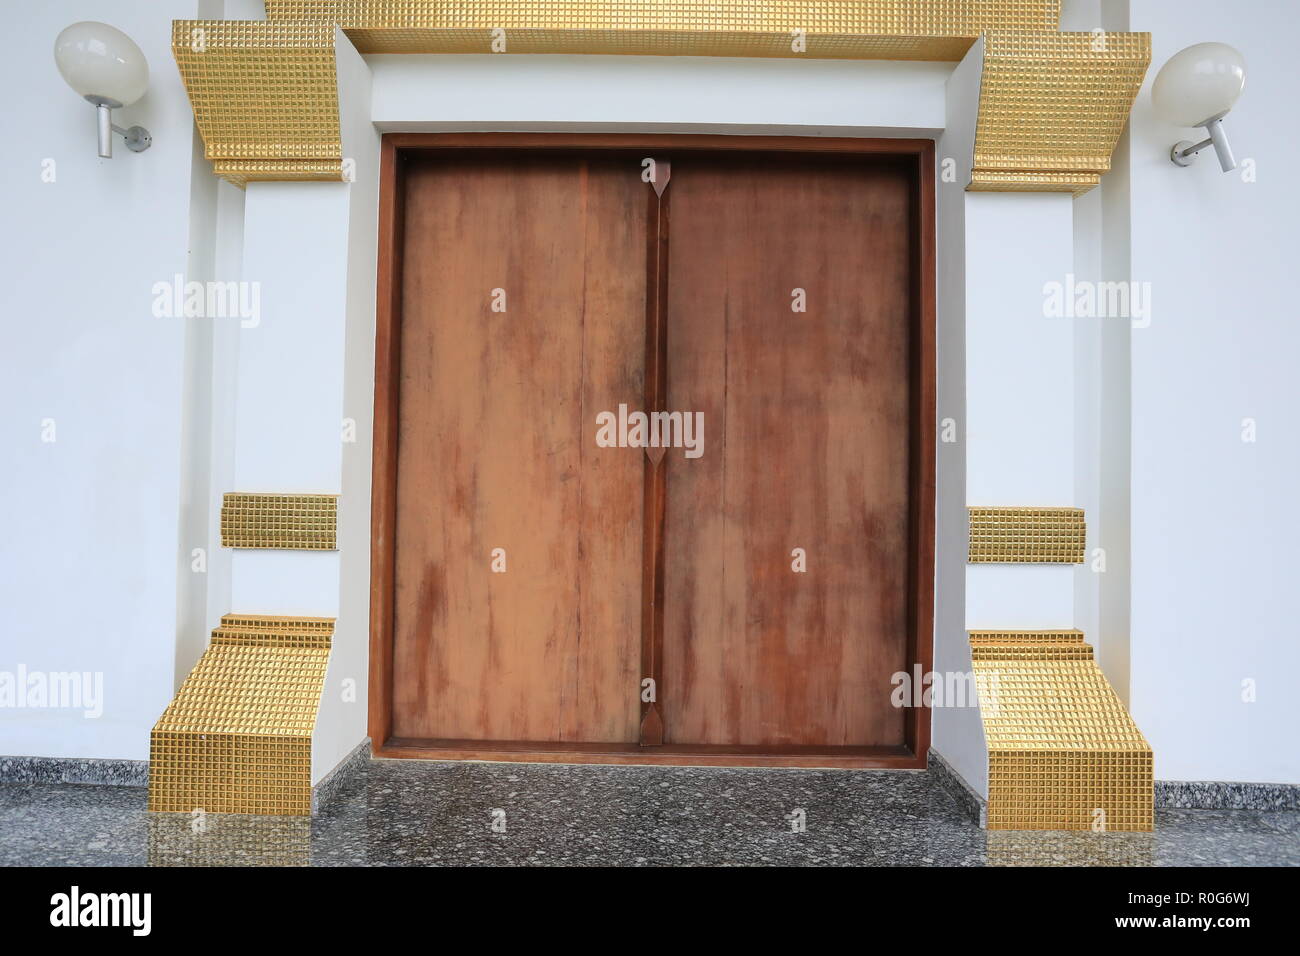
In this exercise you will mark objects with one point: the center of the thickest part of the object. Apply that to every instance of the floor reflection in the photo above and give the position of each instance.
(228, 839)
(418, 813)
(1076, 848)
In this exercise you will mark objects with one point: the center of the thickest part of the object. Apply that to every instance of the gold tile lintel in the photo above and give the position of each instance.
(1052, 104)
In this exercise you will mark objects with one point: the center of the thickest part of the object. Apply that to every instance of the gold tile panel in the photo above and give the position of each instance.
(1061, 744)
(291, 522)
(852, 29)
(237, 736)
(1026, 536)
(265, 97)
(1053, 106)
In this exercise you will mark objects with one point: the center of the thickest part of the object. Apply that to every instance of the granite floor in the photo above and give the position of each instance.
(416, 813)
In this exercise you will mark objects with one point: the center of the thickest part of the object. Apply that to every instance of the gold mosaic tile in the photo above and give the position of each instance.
(1002, 638)
(292, 522)
(1053, 106)
(1029, 645)
(241, 172)
(855, 29)
(1032, 652)
(265, 97)
(237, 736)
(1064, 754)
(1026, 536)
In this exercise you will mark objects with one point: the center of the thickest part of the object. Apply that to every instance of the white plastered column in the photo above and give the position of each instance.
(1006, 391)
(305, 368)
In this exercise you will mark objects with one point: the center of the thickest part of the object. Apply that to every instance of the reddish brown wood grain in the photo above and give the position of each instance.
(807, 446)
(496, 450)
(383, 517)
(573, 723)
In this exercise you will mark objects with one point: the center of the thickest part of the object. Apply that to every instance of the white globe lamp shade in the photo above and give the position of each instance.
(102, 63)
(1199, 84)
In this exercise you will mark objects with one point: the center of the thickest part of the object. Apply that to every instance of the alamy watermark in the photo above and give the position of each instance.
(21, 689)
(944, 689)
(651, 430)
(74, 908)
(178, 299)
(1085, 299)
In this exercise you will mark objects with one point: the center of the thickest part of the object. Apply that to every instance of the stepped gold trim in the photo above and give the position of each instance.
(237, 736)
(1064, 754)
(1004, 638)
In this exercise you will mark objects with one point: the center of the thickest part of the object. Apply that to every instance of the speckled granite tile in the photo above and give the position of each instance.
(338, 779)
(72, 824)
(1209, 795)
(971, 803)
(413, 813)
(123, 773)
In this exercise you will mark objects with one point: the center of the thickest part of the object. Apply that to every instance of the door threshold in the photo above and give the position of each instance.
(832, 758)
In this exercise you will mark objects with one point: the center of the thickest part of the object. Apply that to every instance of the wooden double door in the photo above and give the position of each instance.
(554, 586)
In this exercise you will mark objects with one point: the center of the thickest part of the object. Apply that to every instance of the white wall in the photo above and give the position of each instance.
(957, 732)
(341, 722)
(1214, 519)
(154, 420)
(657, 94)
(89, 560)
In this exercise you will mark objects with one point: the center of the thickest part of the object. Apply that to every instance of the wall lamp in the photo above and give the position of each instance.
(105, 66)
(1198, 87)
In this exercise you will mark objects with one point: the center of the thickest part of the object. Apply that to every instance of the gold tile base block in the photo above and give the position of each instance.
(1064, 754)
(237, 736)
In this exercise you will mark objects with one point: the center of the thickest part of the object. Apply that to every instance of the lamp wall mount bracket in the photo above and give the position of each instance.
(137, 138)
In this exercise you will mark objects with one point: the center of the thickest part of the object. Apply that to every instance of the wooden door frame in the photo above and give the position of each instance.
(396, 149)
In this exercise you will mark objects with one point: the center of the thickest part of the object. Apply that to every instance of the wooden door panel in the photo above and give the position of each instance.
(496, 450)
(807, 425)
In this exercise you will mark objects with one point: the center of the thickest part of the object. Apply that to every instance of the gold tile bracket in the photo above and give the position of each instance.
(1052, 105)
(237, 736)
(1026, 536)
(1052, 108)
(1064, 754)
(265, 97)
(285, 522)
